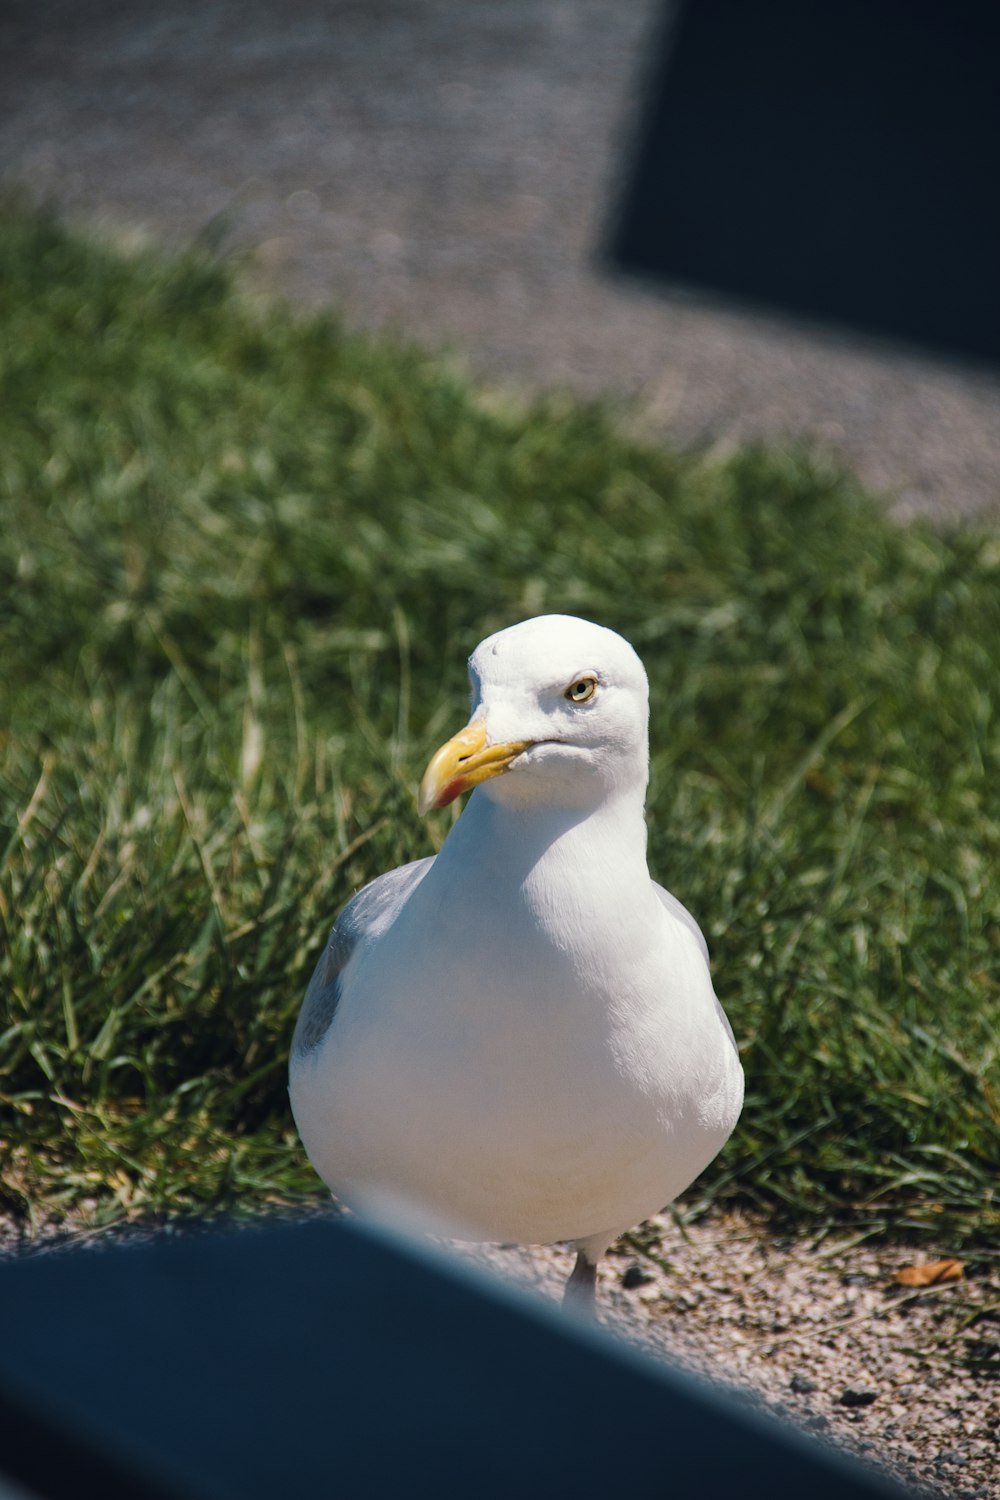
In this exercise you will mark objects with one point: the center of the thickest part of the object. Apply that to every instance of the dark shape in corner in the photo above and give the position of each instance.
(834, 161)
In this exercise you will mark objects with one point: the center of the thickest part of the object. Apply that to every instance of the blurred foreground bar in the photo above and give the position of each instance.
(837, 160)
(328, 1359)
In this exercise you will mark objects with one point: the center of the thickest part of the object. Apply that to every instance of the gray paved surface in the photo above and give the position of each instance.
(445, 168)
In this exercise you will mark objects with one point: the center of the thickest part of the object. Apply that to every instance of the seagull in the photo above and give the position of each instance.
(519, 1035)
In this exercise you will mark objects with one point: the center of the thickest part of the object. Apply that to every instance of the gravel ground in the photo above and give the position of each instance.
(448, 170)
(821, 1334)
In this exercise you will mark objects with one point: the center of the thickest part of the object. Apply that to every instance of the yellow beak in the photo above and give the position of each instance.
(463, 763)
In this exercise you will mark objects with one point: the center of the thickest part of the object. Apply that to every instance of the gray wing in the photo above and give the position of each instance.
(676, 909)
(365, 914)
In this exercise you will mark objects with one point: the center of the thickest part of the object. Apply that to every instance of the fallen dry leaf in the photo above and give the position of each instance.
(932, 1274)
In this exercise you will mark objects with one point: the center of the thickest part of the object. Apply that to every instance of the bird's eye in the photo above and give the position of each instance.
(582, 690)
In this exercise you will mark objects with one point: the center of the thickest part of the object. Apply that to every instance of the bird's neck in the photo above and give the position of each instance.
(588, 855)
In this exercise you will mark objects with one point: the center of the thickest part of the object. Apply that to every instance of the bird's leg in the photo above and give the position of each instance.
(580, 1290)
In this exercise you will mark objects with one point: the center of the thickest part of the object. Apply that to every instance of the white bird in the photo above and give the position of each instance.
(520, 1035)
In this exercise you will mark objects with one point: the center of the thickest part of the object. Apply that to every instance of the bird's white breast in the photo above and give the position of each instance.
(531, 1049)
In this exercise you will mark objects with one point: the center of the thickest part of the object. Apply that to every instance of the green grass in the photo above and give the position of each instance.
(242, 560)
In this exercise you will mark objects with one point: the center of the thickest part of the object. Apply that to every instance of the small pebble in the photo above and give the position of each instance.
(857, 1395)
(634, 1275)
(686, 1304)
(802, 1385)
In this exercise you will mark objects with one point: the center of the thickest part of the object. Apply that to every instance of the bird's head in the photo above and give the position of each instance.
(560, 711)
